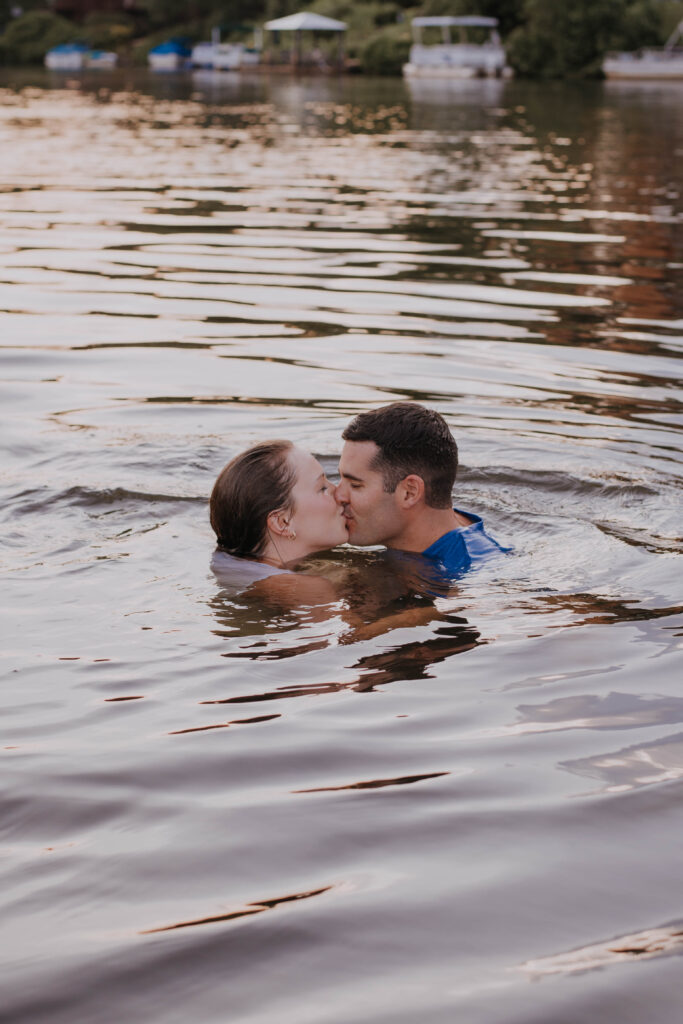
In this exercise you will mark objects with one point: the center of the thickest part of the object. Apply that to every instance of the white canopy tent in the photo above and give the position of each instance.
(307, 21)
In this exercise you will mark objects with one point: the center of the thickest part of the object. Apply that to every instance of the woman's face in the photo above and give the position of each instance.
(318, 520)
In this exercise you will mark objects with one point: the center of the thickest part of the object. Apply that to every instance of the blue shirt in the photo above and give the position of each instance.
(463, 547)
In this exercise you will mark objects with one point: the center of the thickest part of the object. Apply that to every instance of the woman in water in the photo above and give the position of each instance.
(270, 507)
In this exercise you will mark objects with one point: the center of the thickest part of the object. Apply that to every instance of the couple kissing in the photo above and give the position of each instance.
(273, 505)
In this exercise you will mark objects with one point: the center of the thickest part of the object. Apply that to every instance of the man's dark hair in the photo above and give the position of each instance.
(411, 439)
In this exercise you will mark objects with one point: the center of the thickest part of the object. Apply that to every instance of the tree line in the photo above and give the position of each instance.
(543, 38)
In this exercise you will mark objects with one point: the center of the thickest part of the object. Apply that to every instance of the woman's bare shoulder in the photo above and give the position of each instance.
(295, 589)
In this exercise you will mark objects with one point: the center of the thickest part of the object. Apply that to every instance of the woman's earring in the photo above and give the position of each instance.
(292, 535)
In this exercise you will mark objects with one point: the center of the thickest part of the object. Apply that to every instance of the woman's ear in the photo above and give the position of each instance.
(411, 490)
(278, 522)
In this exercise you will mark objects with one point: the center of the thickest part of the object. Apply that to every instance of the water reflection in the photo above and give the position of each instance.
(189, 265)
(587, 711)
(339, 601)
(645, 945)
(646, 764)
(406, 780)
(253, 908)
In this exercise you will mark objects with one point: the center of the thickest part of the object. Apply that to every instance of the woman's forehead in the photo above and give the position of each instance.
(305, 464)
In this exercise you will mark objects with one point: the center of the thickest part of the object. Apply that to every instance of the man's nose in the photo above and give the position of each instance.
(341, 493)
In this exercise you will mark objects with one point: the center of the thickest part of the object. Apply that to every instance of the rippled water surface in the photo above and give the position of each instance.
(381, 808)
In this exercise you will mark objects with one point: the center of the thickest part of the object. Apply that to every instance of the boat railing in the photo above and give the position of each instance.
(649, 53)
(673, 47)
(458, 54)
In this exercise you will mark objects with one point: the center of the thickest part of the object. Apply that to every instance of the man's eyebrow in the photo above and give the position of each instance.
(350, 476)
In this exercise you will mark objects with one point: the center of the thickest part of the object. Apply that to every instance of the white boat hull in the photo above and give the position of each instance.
(457, 60)
(668, 69)
(652, 62)
(101, 60)
(166, 61)
(204, 55)
(64, 62)
(415, 71)
(228, 57)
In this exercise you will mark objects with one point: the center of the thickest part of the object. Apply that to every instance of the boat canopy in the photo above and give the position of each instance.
(172, 46)
(465, 21)
(69, 48)
(305, 21)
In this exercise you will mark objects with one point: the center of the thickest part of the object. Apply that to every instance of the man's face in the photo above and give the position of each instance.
(373, 515)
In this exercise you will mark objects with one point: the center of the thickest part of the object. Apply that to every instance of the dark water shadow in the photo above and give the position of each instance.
(248, 911)
(350, 598)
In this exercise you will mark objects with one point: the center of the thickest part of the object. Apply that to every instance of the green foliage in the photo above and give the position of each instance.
(358, 16)
(171, 13)
(386, 14)
(342, 10)
(385, 54)
(670, 14)
(162, 13)
(641, 25)
(279, 9)
(560, 39)
(27, 39)
(107, 31)
(7, 6)
(233, 13)
(436, 8)
(510, 13)
(545, 38)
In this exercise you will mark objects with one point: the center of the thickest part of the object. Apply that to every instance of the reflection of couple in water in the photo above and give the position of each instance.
(272, 505)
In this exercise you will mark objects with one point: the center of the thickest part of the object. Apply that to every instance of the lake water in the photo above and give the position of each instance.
(222, 811)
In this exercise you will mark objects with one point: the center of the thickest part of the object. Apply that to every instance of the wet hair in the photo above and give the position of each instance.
(411, 439)
(248, 489)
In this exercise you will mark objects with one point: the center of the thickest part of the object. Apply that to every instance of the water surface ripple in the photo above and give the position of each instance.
(471, 810)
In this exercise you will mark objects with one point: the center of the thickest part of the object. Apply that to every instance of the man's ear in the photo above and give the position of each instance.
(411, 491)
(278, 522)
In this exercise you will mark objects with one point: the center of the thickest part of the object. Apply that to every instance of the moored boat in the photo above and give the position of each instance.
(173, 55)
(67, 57)
(103, 59)
(228, 56)
(219, 56)
(653, 62)
(203, 54)
(464, 59)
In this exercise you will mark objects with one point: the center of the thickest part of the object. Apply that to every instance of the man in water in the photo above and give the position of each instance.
(398, 468)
